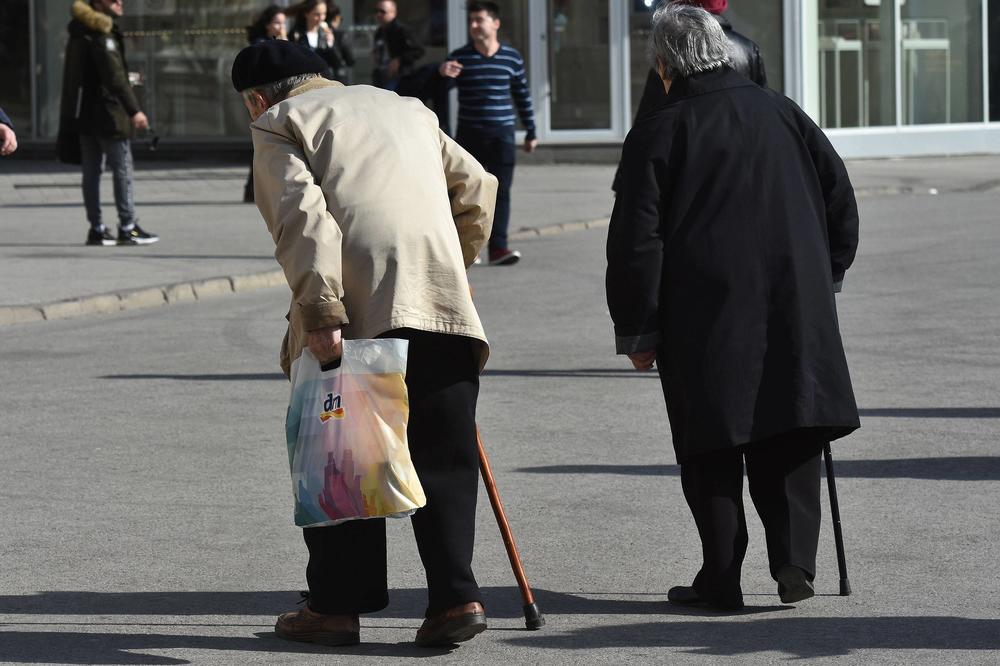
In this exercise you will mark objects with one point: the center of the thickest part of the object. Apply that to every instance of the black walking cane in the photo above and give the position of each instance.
(838, 533)
(533, 618)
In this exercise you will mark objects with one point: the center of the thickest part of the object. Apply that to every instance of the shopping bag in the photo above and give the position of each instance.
(346, 436)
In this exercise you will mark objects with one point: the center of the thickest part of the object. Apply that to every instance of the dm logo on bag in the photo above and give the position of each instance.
(332, 408)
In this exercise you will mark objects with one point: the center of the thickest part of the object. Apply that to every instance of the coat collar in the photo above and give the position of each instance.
(91, 18)
(722, 78)
(314, 84)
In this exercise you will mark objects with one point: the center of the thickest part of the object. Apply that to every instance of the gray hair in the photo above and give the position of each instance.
(687, 40)
(277, 91)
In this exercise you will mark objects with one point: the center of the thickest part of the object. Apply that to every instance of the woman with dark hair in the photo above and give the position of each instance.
(312, 30)
(269, 24)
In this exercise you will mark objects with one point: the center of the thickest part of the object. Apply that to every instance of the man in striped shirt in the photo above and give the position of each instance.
(491, 80)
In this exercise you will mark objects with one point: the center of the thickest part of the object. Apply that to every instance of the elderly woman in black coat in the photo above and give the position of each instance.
(733, 226)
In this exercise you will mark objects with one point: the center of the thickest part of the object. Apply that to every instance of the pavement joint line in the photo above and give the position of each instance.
(204, 288)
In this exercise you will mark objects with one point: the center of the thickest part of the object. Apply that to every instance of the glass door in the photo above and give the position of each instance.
(584, 93)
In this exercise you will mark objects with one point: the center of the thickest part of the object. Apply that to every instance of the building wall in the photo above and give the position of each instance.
(890, 76)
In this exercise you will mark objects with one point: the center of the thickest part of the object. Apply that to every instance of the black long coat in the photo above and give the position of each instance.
(734, 222)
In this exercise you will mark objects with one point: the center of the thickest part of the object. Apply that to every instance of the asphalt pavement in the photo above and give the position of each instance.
(147, 507)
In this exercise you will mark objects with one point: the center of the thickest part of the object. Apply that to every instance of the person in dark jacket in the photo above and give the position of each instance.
(99, 105)
(394, 50)
(269, 24)
(312, 30)
(744, 56)
(8, 140)
(734, 224)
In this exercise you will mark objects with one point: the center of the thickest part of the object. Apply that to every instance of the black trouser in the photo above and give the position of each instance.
(347, 562)
(785, 489)
(495, 150)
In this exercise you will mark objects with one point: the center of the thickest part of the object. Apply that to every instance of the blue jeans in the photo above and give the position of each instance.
(93, 151)
(495, 150)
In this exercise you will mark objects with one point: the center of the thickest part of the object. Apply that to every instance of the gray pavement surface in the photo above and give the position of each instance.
(147, 509)
(207, 233)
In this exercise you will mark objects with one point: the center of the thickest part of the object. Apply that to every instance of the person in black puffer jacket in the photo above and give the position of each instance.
(99, 111)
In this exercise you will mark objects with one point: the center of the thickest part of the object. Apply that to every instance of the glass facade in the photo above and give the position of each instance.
(856, 64)
(579, 64)
(942, 61)
(857, 69)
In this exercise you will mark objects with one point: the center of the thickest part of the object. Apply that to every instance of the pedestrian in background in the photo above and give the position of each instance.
(342, 44)
(8, 140)
(491, 80)
(394, 50)
(744, 55)
(100, 107)
(269, 24)
(378, 255)
(312, 31)
(734, 224)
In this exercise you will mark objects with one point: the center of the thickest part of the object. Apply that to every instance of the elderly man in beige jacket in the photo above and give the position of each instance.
(376, 216)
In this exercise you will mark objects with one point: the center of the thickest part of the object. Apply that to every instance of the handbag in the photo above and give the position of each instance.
(346, 436)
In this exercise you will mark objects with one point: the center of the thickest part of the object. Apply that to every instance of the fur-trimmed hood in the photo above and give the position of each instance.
(91, 18)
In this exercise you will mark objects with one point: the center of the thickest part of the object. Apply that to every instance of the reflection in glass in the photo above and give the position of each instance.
(942, 68)
(579, 64)
(856, 63)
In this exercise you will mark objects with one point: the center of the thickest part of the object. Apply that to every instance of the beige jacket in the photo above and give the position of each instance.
(375, 214)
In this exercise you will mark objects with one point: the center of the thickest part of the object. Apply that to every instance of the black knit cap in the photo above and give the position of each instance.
(273, 60)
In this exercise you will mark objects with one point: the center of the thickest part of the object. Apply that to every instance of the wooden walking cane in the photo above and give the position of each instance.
(838, 534)
(533, 618)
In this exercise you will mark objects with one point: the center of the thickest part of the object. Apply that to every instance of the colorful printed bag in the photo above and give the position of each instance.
(346, 435)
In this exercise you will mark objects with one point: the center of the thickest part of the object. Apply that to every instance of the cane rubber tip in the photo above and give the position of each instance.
(533, 618)
(845, 587)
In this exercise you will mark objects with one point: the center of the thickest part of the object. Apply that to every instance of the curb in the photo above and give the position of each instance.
(137, 299)
(526, 233)
(203, 289)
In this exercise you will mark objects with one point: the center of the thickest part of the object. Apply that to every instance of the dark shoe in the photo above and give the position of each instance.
(455, 625)
(308, 626)
(682, 595)
(504, 257)
(103, 237)
(793, 584)
(136, 236)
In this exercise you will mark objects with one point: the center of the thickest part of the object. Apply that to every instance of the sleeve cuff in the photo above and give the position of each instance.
(838, 287)
(323, 315)
(637, 343)
(530, 135)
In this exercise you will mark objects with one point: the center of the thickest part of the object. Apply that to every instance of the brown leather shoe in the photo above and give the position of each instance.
(308, 626)
(455, 625)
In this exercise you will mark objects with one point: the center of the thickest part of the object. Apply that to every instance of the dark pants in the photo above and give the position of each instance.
(495, 150)
(347, 562)
(94, 151)
(785, 489)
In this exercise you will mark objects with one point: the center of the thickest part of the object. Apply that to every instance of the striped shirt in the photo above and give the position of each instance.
(489, 87)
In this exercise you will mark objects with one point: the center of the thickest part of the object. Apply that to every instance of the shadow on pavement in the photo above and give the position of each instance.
(934, 412)
(574, 373)
(800, 637)
(41, 647)
(230, 377)
(104, 647)
(961, 468)
(501, 602)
